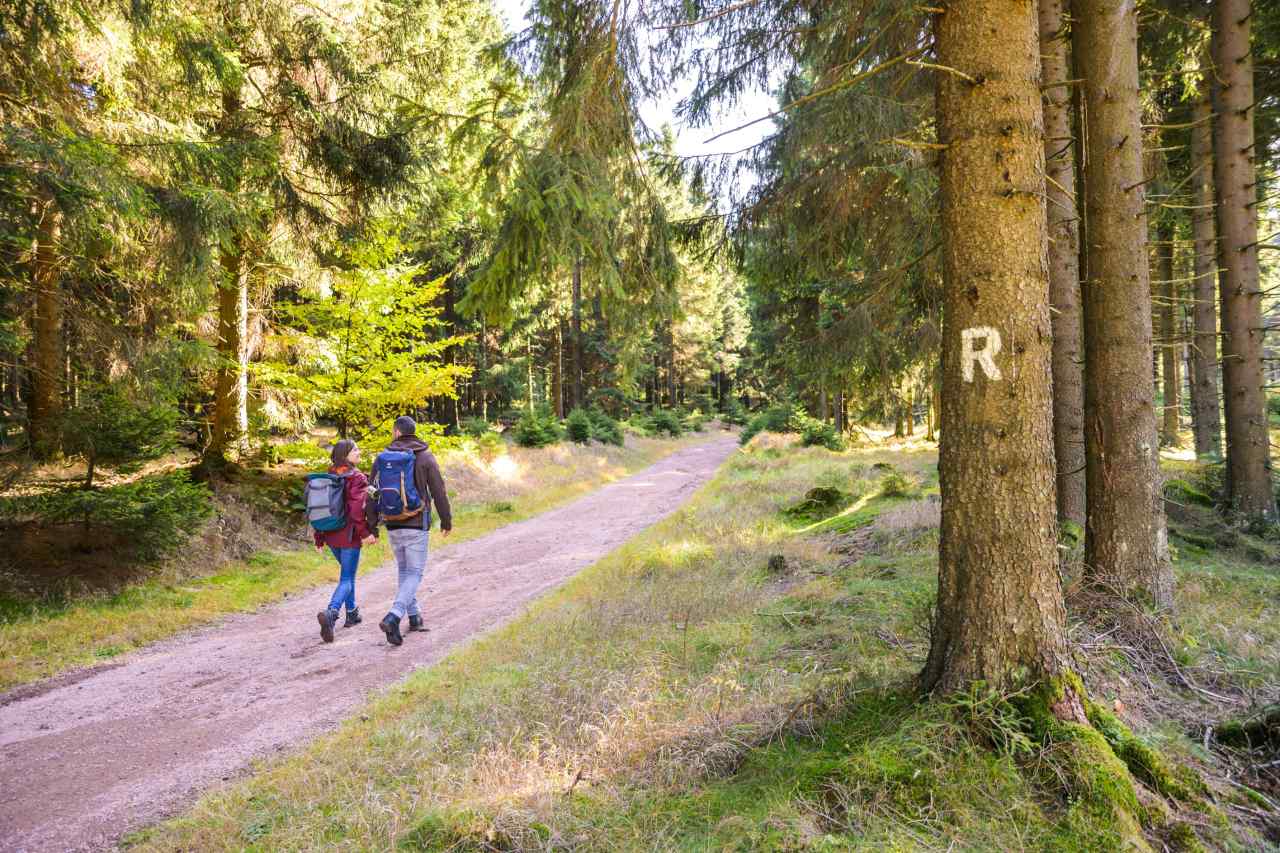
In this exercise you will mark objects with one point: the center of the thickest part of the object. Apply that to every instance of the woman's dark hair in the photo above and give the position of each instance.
(340, 450)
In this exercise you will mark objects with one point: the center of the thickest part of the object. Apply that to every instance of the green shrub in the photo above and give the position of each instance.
(665, 420)
(733, 412)
(537, 428)
(152, 515)
(475, 427)
(578, 427)
(898, 485)
(772, 419)
(694, 421)
(490, 445)
(815, 433)
(121, 427)
(604, 428)
(640, 424)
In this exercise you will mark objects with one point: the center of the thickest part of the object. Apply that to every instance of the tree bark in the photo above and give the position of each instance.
(231, 389)
(1126, 552)
(576, 365)
(1064, 261)
(1169, 347)
(1235, 178)
(1000, 617)
(44, 406)
(1205, 417)
(911, 412)
(557, 371)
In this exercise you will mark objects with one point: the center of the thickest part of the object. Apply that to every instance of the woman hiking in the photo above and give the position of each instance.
(345, 543)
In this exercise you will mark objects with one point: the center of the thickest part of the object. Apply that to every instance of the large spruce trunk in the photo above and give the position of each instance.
(576, 365)
(231, 389)
(44, 406)
(1248, 448)
(1064, 261)
(1000, 617)
(1206, 421)
(1125, 548)
(1169, 343)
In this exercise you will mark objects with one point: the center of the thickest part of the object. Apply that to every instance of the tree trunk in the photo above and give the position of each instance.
(911, 412)
(1000, 617)
(577, 334)
(528, 351)
(231, 389)
(1126, 551)
(1205, 418)
(1169, 346)
(1248, 448)
(671, 363)
(557, 370)
(1064, 261)
(44, 406)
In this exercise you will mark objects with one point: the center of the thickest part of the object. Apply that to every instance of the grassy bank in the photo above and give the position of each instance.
(42, 639)
(739, 677)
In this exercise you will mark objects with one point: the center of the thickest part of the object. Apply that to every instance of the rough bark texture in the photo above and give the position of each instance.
(1000, 616)
(1169, 346)
(231, 390)
(1248, 449)
(1064, 262)
(1125, 548)
(44, 407)
(576, 365)
(1205, 418)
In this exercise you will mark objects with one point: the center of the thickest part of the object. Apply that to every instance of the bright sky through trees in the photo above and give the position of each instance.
(690, 141)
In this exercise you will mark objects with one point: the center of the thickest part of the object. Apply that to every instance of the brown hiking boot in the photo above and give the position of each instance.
(327, 619)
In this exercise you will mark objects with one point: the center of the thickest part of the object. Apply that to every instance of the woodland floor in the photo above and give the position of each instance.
(740, 677)
(95, 754)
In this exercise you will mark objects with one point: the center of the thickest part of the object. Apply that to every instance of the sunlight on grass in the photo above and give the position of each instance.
(679, 696)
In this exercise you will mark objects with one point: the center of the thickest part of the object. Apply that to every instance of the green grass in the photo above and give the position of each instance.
(678, 696)
(43, 639)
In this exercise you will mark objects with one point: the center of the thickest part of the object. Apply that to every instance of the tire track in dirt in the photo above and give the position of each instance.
(90, 758)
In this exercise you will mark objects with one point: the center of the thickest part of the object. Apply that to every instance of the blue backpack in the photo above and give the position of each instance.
(398, 498)
(325, 497)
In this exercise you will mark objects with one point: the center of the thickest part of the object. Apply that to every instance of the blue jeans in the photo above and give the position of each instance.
(345, 592)
(410, 549)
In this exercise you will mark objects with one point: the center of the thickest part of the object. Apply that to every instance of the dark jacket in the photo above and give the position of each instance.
(357, 494)
(429, 482)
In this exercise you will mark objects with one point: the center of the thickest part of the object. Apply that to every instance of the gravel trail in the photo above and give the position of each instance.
(92, 755)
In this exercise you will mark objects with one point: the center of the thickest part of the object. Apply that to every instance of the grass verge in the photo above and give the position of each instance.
(40, 640)
(733, 679)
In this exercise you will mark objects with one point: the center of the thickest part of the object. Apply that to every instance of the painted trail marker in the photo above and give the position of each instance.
(984, 356)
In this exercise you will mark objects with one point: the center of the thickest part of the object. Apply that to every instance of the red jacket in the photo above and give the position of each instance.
(357, 528)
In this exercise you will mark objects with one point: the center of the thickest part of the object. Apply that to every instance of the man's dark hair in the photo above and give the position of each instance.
(406, 425)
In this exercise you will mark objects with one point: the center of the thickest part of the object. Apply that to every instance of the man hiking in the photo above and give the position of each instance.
(407, 479)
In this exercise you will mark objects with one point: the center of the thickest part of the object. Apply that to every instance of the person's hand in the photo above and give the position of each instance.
(370, 539)
(446, 531)
(319, 546)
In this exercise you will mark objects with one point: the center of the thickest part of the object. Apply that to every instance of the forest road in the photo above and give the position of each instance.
(91, 756)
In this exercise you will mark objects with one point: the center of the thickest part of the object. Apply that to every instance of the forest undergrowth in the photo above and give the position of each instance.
(742, 676)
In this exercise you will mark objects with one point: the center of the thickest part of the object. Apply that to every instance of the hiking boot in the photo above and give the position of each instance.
(390, 626)
(353, 618)
(415, 623)
(327, 619)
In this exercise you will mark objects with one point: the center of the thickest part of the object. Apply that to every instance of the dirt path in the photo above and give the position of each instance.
(87, 759)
